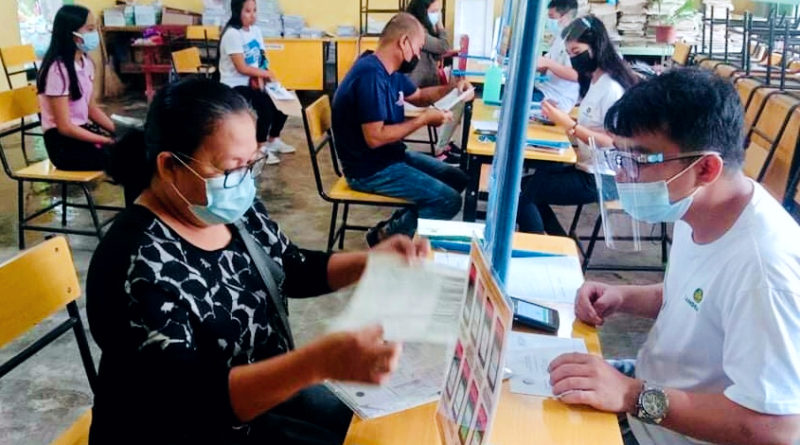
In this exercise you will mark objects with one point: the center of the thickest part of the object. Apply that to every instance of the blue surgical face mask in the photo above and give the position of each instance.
(434, 17)
(91, 40)
(649, 201)
(223, 205)
(552, 26)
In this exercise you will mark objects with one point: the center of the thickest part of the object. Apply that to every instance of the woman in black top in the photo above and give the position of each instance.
(193, 350)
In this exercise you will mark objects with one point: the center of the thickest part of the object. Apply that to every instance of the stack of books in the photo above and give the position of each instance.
(632, 25)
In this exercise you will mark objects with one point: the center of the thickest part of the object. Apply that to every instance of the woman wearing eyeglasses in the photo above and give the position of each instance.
(603, 78)
(186, 294)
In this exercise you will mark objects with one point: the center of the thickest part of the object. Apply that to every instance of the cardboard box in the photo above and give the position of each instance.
(171, 16)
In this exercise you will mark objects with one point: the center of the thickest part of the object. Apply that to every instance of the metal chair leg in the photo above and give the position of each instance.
(431, 140)
(20, 215)
(592, 241)
(63, 203)
(332, 229)
(93, 211)
(344, 225)
(575, 219)
(83, 345)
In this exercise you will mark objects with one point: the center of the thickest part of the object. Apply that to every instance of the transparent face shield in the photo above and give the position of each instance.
(620, 230)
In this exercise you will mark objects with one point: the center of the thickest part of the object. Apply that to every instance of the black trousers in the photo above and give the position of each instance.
(67, 153)
(313, 416)
(270, 119)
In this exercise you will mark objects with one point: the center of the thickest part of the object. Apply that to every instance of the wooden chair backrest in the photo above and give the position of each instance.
(318, 116)
(36, 283)
(18, 103)
(186, 60)
(681, 53)
(17, 55)
(752, 109)
(197, 32)
(770, 122)
(777, 173)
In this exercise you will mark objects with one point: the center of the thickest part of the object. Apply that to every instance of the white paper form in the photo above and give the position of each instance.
(439, 229)
(417, 380)
(414, 303)
(529, 356)
(553, 279)
(452, 98)
(485, 126)
(458, 261)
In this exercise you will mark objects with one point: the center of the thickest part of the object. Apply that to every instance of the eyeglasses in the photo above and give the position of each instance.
(233, 177)
(630, 163)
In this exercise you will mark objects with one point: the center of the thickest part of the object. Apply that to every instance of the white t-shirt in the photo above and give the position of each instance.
(249, 43)
(730, 321)
(564, 92)
(592, 114)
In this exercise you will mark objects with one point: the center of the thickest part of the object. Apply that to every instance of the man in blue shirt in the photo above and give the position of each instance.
(369, 126)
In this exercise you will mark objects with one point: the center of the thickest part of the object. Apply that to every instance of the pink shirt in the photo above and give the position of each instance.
(57, 84)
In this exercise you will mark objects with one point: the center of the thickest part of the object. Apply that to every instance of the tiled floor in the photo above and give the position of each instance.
(45, 395)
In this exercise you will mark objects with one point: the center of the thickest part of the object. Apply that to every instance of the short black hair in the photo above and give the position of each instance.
(694, 108)
(563, 6)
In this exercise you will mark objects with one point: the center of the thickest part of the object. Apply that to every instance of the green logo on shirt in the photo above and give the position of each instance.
(697, 298)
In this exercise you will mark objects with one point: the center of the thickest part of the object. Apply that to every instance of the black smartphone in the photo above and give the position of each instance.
(535, 316)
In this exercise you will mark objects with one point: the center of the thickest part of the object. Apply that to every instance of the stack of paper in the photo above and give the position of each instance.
(293, 25)
(346, 31)
(268, 18)
(632, 22)
(606, 13)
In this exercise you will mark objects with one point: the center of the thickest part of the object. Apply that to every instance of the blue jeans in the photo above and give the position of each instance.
(556, 185)
(433, 186)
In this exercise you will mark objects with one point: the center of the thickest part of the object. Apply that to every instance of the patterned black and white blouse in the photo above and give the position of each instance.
(172, 319)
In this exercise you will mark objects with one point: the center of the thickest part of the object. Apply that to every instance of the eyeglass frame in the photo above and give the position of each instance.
(613, 155)
(250, 168)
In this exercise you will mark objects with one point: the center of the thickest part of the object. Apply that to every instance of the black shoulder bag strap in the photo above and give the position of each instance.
(263, 262)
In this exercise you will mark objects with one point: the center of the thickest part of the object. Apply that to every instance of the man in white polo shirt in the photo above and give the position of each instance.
(561, 86)
(722, 361)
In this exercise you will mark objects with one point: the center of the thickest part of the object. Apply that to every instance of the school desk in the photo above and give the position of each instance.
(481, 152)
(520, 419)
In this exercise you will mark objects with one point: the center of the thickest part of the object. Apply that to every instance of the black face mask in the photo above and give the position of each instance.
(583, 63)
(408, 65)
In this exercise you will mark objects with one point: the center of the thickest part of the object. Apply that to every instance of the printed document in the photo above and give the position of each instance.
(554, 279)
(529, 356)
(414, 303)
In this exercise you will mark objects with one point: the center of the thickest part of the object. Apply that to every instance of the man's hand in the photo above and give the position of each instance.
(464, 85)
(434, 117)
(404, 246)
(596, 301)
(584, 379)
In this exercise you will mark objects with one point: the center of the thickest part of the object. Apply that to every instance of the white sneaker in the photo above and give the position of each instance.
(278, 146)
(272, 159)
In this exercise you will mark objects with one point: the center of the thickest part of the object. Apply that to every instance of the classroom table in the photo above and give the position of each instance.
(479, 153)
(298, 63)
(347, 51)
(520, 419)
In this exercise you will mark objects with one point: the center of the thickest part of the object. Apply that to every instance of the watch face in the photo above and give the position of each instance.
(654, 403)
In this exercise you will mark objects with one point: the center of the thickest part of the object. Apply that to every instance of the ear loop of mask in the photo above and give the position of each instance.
(688, 167)
(174, 187)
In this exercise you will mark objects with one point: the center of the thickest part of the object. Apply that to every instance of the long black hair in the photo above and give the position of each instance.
(236, 16)
(180, 117)
(419, 9)
(591, 31)
(69, 19)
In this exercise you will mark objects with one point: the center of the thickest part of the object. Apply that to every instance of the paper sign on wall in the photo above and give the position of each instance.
(474, 377)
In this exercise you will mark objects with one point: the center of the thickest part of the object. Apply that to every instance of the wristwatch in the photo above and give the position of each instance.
(571, 131)
(652, 405)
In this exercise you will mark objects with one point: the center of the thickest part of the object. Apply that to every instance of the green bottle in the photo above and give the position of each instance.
(494, 81)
